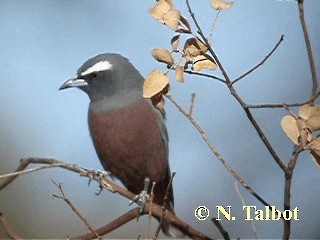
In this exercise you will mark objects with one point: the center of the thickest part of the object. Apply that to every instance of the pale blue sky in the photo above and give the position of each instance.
(44, 42)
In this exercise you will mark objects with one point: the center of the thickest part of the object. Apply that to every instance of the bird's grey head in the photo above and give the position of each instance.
(105, 76)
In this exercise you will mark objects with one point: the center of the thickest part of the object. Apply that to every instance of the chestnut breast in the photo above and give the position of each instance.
(129, 143)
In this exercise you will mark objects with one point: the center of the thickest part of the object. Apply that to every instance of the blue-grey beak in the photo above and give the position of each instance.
(73, 82)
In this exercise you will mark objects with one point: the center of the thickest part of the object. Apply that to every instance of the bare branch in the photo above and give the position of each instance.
(118, 222)
(218, 225)
(284, 105)
(164, 206)
(7, 228)
(236, 95)
(114, 188)
(254, 229)
(205, 75)
(73, 208)
(213, 25)
(309, 50)
(216, 153)
(15, 174)
(193, 96)
(48, 161)
(287, 188)
(260, 63)
(150, 210)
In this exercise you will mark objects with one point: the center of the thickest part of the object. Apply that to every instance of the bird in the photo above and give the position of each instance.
(128, 132)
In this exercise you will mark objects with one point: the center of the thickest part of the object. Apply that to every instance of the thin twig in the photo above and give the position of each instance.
(215, 151)
(205, 75)
(15, 174)
(150, 212)
(114, 188)
(236, 95)
(218, 225)
(213, 25)
(118, 222)
(7, 228)
(193, 96)
(284, 105)
(309, 49)
(73, 208)
(164, 206)
(48, 161)
(287, 188)
(260, 63)
(254, 229)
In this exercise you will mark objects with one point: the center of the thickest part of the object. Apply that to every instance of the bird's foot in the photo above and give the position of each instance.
(99, 175)
(142, 198)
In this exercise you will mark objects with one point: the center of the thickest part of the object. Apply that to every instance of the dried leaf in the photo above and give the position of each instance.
(157, 100)
(170, 2)
(175, 42)
(180, 74)
(314, 144)
(306, 111)
(163, 55)
(160, 9)
(221, 4)
(289, 126)
(160, 105)
(188, 60)
(311, 115)
(203, 61)
(304, 132)
(313, 123)
(171, 19)
(185, 22)
(194, 47)
(155, 82)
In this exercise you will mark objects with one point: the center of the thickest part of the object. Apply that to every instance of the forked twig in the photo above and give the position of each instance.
(236, 95)
(73, 207)
(260, 63)
(114, 188)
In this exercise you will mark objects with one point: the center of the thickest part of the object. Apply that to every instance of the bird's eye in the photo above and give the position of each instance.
(94, 75)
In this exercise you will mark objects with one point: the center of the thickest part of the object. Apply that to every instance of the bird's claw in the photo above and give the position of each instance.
(99, 176)
(142, 198)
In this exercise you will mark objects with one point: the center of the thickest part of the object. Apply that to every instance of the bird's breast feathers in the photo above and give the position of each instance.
(129, 142)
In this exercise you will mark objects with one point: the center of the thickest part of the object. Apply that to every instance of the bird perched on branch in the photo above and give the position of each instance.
(129, 134)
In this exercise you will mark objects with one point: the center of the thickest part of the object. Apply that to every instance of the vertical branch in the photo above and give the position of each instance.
(309, 50)
(236, 95)
(287, 189)
(150, 210)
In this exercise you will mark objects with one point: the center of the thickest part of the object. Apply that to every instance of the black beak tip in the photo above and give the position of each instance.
(63, 86)
(73, 82)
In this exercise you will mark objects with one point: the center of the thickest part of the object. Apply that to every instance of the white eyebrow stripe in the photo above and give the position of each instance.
(98, 67)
